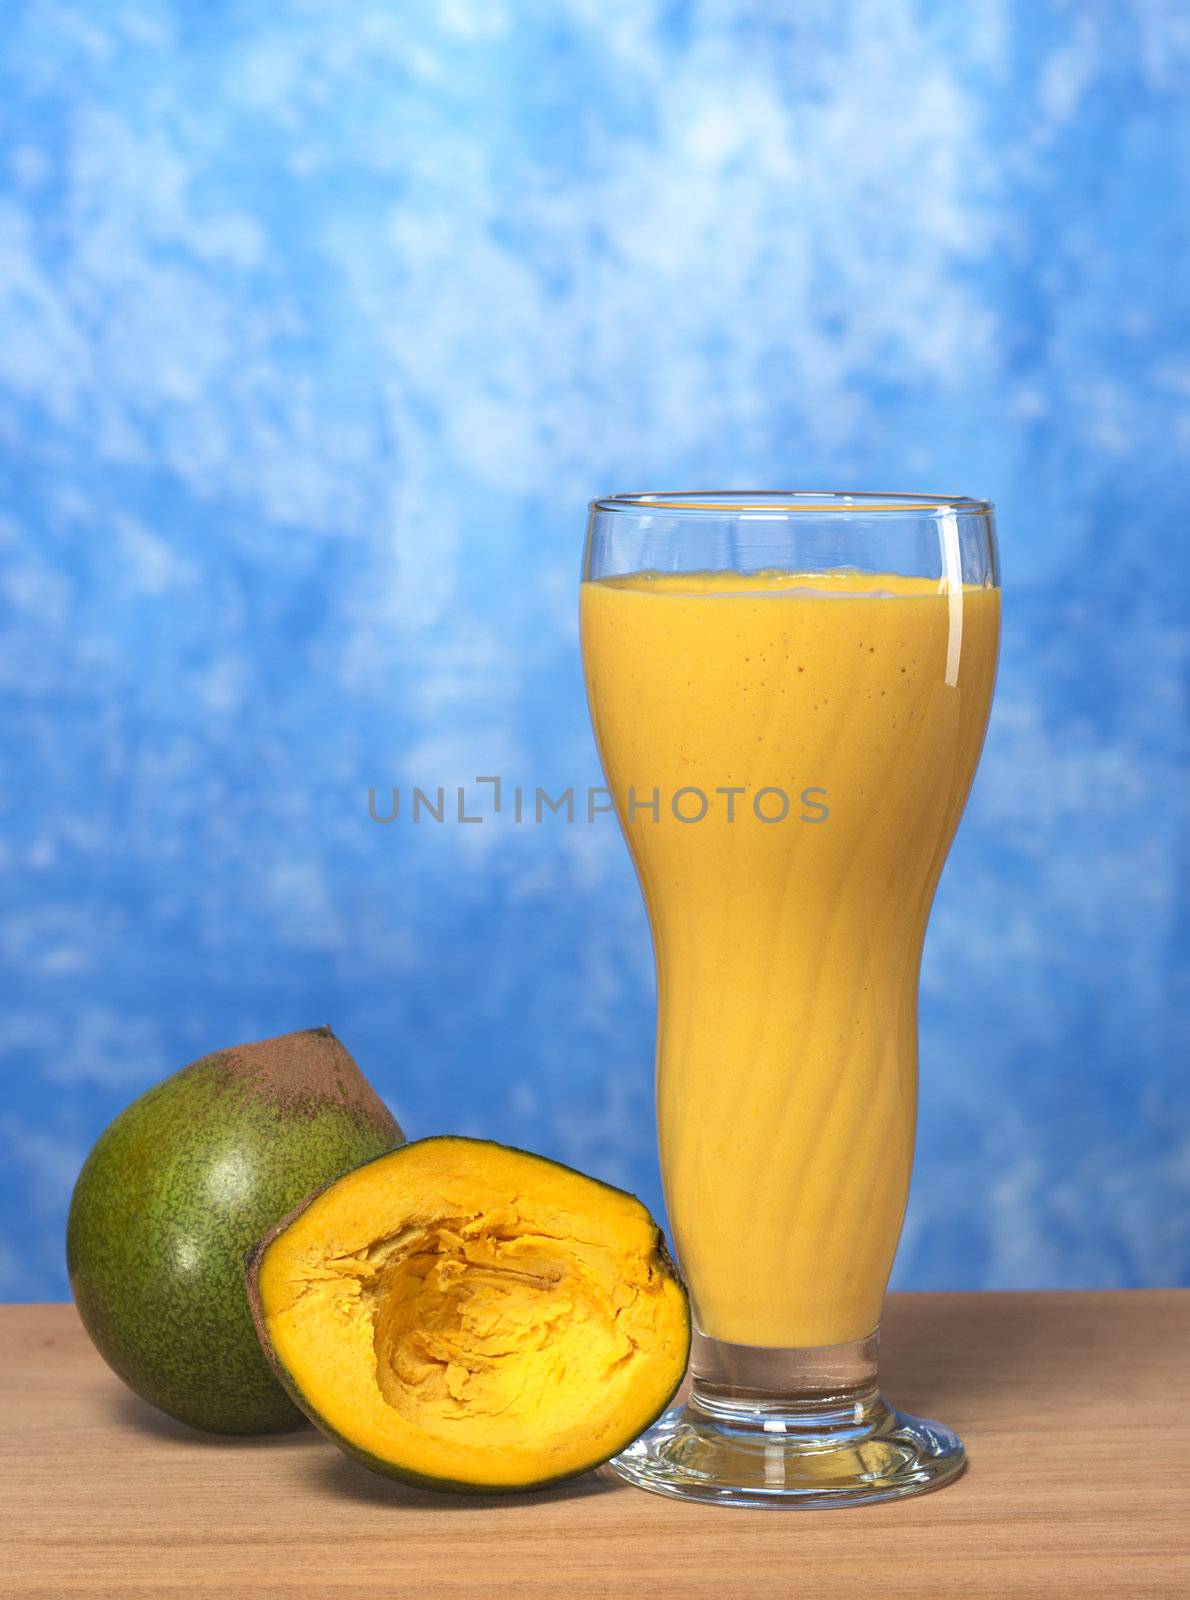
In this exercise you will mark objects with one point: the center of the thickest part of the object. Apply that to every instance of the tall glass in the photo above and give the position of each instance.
(789, 693)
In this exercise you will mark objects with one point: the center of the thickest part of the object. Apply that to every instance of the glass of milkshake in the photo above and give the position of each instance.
(789, 693)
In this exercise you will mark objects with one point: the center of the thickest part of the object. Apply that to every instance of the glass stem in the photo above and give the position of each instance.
(826, 1389)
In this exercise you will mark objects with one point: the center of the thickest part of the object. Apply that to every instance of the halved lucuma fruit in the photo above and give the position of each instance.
(467, 1316)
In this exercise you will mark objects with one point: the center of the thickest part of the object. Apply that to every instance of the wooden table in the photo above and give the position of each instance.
(1075, 1409)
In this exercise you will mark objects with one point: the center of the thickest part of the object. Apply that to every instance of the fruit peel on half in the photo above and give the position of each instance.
(465, 1316)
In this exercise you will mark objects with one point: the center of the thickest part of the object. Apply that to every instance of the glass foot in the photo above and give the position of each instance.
(831, 1443)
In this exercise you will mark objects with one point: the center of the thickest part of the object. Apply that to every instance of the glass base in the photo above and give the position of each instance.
(789, 1428)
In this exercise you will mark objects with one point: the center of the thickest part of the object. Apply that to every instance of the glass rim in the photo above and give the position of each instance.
(789, 502)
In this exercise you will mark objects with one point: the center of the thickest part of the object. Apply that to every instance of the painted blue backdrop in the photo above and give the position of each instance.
(318, 326)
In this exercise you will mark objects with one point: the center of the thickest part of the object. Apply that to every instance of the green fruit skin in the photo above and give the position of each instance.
(174, 1193)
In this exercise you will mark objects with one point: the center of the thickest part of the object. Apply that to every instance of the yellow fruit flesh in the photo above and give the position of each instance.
(475, 1314)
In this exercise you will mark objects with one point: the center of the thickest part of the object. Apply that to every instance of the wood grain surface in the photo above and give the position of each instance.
(1075, 1409)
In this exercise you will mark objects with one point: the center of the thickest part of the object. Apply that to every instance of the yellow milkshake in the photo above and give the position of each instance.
(831, 722)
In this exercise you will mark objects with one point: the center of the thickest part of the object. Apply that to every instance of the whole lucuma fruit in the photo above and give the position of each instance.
(177, 1189)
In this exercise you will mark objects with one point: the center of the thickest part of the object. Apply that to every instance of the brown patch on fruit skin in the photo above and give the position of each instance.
(177, 1188)
(301, 1074)
(254, 1257)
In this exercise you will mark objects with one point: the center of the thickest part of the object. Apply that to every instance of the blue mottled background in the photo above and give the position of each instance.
(318, 326)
